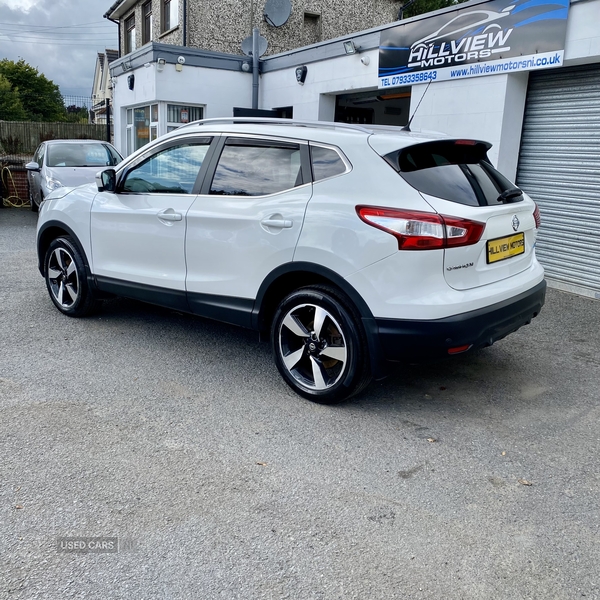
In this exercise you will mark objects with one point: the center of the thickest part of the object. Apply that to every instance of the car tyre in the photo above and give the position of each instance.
(319, 345)
(66, 279)
(33, 205)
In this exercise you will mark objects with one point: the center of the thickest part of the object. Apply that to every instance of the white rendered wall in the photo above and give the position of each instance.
(330, 77)
(217, 90)
(583, 32)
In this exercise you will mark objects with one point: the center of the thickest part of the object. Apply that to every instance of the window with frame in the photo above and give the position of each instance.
(173, 170)
(249, 167)
(147, 22)
(326, 163)
(142, 126)
(170, 14)
(130, 34)
(179, 115)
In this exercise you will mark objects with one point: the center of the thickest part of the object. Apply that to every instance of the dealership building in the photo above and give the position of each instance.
(523, 75)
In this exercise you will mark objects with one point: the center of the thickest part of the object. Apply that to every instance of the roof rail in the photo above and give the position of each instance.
(273, 121)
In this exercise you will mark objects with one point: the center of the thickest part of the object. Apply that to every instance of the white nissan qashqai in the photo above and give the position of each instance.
(348, 246)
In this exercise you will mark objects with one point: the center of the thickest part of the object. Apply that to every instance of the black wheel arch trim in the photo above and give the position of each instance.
(378, 368)
(91, 281)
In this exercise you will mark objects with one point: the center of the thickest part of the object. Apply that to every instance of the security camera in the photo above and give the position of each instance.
(181, 60)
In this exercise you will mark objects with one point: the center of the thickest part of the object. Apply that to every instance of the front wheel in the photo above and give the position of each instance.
(34, 207)
(66, 279)
(319, 345)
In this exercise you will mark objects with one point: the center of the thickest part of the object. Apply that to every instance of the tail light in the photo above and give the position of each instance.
(537, 217)
(417, 230)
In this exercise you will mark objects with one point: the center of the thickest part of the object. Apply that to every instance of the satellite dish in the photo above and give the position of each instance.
(247, 45)
(277, 12)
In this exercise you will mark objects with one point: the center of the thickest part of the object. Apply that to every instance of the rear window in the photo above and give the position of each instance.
(455, 170)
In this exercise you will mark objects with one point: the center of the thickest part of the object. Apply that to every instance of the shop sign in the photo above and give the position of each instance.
(486, 39)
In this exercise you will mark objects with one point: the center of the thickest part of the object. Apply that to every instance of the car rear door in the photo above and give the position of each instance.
(245, 223)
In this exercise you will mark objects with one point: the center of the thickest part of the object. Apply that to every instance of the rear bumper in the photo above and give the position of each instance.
(402, 340)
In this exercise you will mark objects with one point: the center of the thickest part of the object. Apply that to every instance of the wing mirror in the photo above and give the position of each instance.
(32, 166)
(106, 180)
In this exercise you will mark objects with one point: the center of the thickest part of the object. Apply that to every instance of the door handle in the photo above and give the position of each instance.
(169, 215)
(278, 223)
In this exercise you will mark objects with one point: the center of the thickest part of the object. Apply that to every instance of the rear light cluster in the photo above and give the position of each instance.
(417, 230)
(537, 217)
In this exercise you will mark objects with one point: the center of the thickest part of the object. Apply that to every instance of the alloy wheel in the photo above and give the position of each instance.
(63, 278)
(313, 347)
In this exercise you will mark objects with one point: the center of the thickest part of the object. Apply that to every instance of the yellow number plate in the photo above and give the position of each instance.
(505, 247)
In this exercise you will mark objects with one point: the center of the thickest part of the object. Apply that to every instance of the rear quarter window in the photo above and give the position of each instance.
(326, 163)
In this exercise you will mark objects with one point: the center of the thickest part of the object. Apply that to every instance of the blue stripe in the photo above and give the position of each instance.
(555, 14)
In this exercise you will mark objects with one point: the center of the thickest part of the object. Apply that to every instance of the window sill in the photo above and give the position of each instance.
(165, 33)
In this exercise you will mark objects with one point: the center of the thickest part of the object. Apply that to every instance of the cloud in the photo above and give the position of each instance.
(61, 38)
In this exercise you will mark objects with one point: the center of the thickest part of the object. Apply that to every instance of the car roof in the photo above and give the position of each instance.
(77, 142)
(317, 131)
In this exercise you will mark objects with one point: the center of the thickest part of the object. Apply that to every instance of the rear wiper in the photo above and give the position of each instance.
(510, 195)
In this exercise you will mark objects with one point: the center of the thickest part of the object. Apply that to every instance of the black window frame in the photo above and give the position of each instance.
(147, 22)
(129, 27)
(165, 10)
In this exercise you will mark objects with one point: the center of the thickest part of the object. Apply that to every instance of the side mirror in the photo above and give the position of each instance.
(106, 180)
(33, 166)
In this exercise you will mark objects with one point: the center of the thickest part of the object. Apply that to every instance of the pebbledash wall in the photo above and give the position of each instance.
(491, 107)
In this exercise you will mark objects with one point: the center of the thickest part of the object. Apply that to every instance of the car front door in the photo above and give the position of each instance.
(245, 223)
(138, 232)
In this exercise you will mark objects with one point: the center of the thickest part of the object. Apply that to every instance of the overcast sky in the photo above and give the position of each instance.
(61, 38)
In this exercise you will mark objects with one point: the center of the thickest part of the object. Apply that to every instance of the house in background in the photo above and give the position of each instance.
(102, 86)
(222, 26)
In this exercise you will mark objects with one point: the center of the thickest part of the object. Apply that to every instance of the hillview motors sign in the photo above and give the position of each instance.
(490, 38)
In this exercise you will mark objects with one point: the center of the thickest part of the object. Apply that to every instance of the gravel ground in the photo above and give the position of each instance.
(475, 478)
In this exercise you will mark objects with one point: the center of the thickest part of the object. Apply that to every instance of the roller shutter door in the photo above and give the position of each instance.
(559, 167)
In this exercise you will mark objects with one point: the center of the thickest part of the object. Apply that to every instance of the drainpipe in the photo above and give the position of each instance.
(255, 58)
(185, 22)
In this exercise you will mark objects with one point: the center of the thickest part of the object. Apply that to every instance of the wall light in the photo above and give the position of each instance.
(301, 73)
(351, 48)
(160, 64)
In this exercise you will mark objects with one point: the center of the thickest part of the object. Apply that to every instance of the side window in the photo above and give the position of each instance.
(326, 163)
(256, 168)
(170, 171)
(39, 153)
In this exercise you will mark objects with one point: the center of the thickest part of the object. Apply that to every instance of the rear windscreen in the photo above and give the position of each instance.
(455, 170)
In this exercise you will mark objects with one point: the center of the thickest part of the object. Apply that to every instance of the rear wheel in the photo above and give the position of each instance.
(319, 346)
(66, 279)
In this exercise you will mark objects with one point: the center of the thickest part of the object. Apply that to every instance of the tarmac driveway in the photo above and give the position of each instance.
(475, 478)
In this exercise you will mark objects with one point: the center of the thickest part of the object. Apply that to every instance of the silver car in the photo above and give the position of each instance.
(68, 163)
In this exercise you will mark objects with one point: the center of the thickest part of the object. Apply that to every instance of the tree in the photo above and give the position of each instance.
(77, 114)
(419, 7)
(11, 108)
(40, 97)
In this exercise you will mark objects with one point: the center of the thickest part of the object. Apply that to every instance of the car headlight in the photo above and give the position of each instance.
(52, 184)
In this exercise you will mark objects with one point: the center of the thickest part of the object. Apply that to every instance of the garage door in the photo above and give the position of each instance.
(559, 167)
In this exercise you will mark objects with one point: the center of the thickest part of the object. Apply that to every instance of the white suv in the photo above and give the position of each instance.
(347, 246)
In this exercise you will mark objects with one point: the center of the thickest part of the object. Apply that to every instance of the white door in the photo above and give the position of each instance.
(138, 233)
(249, 221)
